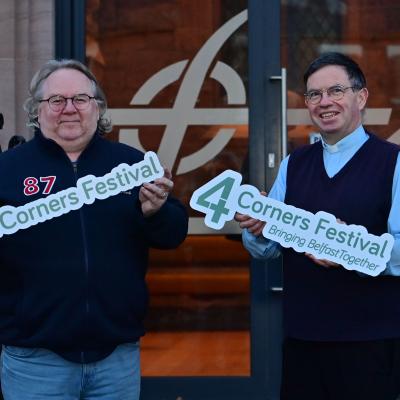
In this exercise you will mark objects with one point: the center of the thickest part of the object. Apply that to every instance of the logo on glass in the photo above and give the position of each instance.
(184, 112)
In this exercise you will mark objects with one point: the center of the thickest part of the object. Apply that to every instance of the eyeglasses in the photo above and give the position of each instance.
(335, 93)
(57, 103)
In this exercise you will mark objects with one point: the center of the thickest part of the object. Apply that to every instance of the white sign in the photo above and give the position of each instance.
(88, 189)
(319, 234)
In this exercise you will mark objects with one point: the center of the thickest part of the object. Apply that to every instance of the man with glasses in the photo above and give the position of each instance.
(342, 328)
(72, 289)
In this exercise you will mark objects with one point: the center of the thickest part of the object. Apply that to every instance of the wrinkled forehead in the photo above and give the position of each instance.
(67, 82)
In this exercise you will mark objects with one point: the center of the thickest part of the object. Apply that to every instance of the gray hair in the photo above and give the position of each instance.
(31, 104)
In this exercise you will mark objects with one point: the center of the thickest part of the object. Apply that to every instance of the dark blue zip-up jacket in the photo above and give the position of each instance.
(75, 284)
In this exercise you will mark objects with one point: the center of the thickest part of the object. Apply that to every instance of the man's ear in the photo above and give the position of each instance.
(362, 97)
(39, 112)
(98, 112)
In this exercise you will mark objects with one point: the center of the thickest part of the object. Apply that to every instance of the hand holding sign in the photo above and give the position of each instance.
(254, 226)
(320, 234)
(152, 196)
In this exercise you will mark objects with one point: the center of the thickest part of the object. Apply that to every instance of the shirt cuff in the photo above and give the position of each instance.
(259, 247)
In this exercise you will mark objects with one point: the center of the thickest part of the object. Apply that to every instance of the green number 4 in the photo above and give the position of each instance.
(212, 198)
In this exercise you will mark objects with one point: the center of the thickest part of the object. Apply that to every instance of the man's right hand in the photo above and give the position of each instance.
(254, 226)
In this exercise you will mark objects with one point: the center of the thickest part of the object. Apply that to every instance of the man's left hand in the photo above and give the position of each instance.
(325, 263)
(153, 195)
(322, 262)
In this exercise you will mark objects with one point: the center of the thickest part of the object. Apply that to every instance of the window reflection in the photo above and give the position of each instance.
(367, 32)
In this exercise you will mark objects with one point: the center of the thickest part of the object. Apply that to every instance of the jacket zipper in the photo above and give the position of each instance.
(85, 251)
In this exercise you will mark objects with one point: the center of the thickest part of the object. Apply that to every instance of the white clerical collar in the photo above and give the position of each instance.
(356, 138)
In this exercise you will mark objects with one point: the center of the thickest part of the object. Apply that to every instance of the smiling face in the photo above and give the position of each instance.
(72, 129)
(335, 118)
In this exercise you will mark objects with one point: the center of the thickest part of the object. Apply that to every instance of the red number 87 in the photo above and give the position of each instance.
(31, 184)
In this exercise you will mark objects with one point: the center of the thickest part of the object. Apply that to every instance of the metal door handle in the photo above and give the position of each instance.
(283, 80)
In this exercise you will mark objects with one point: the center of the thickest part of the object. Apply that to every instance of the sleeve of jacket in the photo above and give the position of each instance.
(168, 227)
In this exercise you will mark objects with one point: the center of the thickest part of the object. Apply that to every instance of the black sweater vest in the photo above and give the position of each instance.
(336, 304)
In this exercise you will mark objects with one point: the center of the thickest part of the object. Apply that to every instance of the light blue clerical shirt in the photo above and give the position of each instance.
(335, 158)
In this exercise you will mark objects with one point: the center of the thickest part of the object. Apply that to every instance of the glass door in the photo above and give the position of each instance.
(176, 75)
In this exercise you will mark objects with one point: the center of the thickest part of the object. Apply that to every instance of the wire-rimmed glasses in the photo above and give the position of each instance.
(57, 102)
(335, 93)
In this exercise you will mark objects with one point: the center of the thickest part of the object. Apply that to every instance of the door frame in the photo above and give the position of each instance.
(264, 127)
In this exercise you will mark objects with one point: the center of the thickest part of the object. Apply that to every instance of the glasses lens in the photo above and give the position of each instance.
(81, 101)
(336, 92)
(314, 97)
(57, 103)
